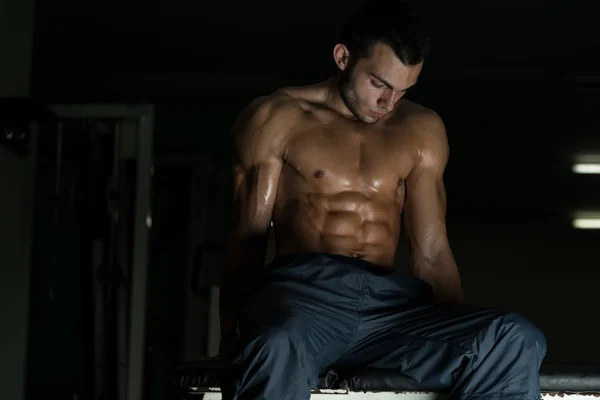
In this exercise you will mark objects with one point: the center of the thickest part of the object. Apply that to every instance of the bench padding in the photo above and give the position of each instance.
(207, 372)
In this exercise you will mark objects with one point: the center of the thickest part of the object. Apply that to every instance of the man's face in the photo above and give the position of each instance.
(371, 87)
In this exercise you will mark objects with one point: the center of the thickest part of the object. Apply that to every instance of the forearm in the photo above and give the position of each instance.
(441, 272)
(242, 267)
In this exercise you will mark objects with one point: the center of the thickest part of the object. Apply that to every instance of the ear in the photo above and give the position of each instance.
(341, 56)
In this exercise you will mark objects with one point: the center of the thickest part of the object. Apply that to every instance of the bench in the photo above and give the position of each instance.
(201, 380)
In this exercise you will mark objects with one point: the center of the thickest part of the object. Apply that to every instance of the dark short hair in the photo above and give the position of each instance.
(392, 22)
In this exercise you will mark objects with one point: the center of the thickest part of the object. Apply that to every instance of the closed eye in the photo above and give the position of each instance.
(377, 85)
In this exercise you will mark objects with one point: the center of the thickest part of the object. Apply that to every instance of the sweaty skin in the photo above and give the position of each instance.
(341, 170)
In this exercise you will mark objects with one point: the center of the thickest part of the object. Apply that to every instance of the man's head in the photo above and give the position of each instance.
(380, 55)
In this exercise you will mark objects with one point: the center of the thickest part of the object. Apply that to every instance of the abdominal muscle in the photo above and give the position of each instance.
(347, 223)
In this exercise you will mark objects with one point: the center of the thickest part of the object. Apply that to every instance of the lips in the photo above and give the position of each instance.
(376, 115)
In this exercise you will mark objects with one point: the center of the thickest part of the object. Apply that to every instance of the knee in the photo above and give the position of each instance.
(270, 364)
(274, 343)
(278, 338)
(518, 327)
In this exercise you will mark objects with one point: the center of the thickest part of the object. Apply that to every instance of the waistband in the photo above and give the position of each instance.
(385, 279)
(310, 257)
(381, 277)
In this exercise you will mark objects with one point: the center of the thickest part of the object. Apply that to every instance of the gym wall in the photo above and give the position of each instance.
(15, 239)
(16, 189)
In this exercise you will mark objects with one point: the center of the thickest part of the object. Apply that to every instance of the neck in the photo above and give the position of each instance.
(333, 97)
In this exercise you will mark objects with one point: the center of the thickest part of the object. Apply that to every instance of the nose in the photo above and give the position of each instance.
(386, 100)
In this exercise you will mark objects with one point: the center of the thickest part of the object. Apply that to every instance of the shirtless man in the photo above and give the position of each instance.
(338, 167)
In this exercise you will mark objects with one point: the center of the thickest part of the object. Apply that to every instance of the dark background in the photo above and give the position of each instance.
(515, 82)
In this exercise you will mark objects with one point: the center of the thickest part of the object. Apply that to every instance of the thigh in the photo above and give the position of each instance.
(306, 312)
(284, 337)
(430, 344)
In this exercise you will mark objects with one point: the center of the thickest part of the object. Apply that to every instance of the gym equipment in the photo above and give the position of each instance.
(120, 309)
(201, 380)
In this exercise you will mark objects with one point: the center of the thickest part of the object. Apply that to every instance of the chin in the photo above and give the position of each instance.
(368, 119)
(362, 117)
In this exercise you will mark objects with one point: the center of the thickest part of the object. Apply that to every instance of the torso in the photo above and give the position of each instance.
(342, 186)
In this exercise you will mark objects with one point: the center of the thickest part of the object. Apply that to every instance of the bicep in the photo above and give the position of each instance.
(425, 204)
(256, 169)
(425, 211)
(254, 192)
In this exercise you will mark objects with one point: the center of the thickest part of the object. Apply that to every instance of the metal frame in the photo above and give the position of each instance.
(142, 224)
(403, 395)
(102, 110)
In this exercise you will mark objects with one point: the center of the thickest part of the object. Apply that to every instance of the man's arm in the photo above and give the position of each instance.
(431, 258)
(257, 163)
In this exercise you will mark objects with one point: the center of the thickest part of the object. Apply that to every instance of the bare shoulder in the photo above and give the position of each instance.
(429, 132)
(277, 106)
(260, 131)
(421, 120)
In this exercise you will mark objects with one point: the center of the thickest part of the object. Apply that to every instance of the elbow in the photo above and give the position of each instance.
(426, 260)
(248, 241)
(249, 232)
(251, 223)
(440, 257)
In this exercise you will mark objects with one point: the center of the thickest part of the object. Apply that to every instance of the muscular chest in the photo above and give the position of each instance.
(347, 158)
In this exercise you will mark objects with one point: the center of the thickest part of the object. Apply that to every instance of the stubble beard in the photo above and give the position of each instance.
(348, 96)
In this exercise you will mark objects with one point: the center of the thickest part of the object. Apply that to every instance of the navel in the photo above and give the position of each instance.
(319, 174)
